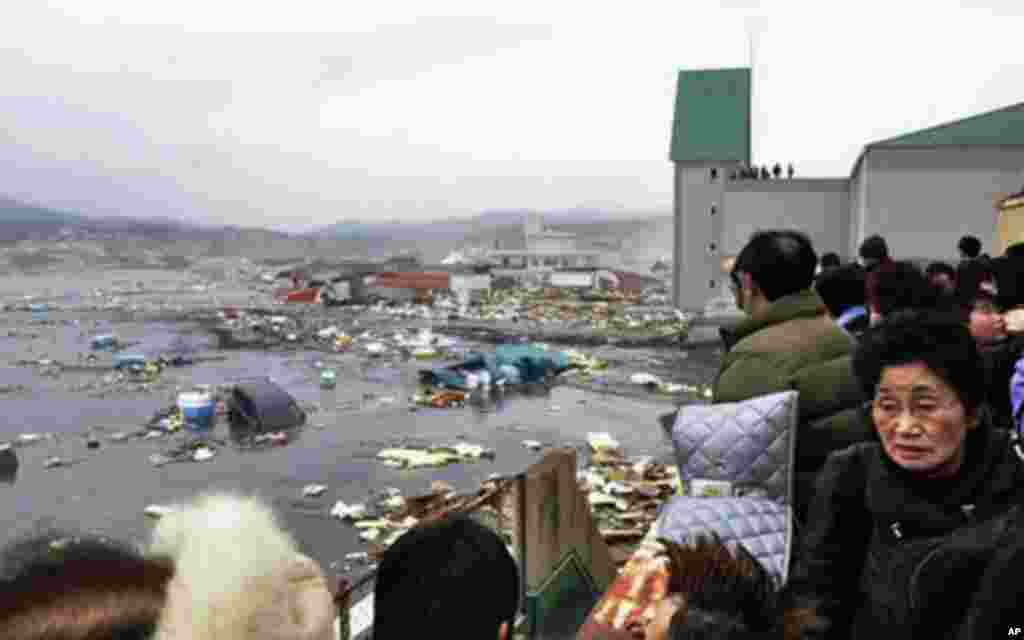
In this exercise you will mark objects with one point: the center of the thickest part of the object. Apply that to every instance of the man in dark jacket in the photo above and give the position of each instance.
(874, 256)
(788, 342)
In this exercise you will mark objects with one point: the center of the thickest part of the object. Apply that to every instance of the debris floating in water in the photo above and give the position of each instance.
(433, 457)
(603, 442)
(202, 454)
(157, 511)
(314, 490)
(348, 512)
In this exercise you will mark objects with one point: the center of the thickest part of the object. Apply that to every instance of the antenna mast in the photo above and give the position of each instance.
(752, 56)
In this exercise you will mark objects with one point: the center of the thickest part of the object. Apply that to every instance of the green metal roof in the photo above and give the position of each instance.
(712, 116)
(1000, 127)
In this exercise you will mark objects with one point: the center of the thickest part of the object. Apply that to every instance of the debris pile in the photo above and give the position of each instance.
(625, 495)
(608, 311)
(389, 514)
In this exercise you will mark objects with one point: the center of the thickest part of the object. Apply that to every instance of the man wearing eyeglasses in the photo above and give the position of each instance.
(788, 341)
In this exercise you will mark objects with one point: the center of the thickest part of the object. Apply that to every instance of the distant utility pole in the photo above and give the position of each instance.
(752, 56)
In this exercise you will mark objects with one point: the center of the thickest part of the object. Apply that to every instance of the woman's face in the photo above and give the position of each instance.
(986, 323)
(920, 420)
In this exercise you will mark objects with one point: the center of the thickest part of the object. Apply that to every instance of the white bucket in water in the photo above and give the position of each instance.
(197, 410)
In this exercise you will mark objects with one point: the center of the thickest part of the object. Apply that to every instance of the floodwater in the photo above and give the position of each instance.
(107, 489)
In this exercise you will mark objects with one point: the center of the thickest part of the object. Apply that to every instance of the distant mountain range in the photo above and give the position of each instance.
(14, 212)
(508, 217)
(491, 218)
(394, 230)
(642, 232)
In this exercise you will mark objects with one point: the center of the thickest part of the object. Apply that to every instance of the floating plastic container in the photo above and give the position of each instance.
(104, 342)
(328, 378)
(130, 361)
(197, 410)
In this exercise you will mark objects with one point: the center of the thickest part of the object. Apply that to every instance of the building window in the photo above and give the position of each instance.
(713, 210)
(712, 284)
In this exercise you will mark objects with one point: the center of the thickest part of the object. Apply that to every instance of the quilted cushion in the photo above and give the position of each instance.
(761, 525)
(750, 444)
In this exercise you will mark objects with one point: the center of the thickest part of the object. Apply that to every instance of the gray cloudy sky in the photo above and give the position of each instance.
(296, 114)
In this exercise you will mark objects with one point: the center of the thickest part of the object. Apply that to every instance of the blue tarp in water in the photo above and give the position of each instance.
(510, 363)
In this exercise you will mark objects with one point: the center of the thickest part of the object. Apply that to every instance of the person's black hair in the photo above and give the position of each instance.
(780, 262)
(727, 594)
(903, 286)
(969, 277)
(941, 268)
(452, 576)
(841, 288)
(1009, 274)
(60, 586)
(874, 248)
(696, 624)
(1015, 250)
(830, 260)
(970, 246)
(937, 338)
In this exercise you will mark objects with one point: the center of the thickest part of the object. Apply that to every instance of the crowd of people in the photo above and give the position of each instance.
(909, 486)
(752, 172)
(910, 473)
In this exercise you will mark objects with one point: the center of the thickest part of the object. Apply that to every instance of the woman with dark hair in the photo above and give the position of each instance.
(979, 298)
(894, 523)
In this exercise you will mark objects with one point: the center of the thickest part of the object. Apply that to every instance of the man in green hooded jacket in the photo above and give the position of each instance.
(788, 341)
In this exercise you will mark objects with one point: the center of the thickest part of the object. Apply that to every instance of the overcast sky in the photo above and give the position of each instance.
(297, 114)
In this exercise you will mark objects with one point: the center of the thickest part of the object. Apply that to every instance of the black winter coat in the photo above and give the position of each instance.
(890, 555)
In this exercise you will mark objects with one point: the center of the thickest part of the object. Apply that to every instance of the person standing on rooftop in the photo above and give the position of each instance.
(969, 247)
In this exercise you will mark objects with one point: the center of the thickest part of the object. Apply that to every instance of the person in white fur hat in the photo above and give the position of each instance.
(238, 575)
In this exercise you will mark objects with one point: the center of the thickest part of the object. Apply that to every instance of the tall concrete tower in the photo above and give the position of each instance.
(710, 139)
(534, 224)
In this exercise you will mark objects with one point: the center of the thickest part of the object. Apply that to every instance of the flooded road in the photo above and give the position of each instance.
(107, 489)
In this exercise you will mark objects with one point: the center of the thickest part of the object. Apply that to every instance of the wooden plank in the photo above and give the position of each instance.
(557, 520)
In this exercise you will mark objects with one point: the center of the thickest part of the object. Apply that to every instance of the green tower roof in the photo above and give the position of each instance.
(712, 116)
